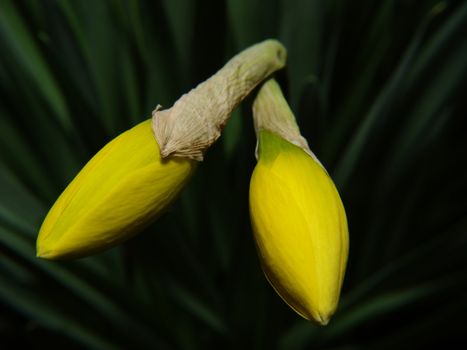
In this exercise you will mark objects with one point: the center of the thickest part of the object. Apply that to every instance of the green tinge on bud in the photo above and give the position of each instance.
(122, 189)
(298, 219)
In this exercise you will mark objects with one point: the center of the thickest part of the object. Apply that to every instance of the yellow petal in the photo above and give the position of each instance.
(122, 189)
(300, 228)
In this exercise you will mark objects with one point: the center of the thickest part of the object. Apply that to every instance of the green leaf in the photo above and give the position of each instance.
(379, 112)
(302, 29)
(253, 20)
(18, 207)
(23, 47)
(49, 314)
(376, 306)
(198, 308)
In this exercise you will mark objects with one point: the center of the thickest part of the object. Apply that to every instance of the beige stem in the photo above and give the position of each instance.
(272, 113)
(196, 120)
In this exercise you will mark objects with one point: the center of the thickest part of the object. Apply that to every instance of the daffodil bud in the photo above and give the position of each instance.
(122, 189)
(136, 176)
(298, 219)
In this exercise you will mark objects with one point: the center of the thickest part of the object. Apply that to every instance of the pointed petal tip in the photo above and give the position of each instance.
(41, 254)
(322, 320)
(318, 318)
(48, 254)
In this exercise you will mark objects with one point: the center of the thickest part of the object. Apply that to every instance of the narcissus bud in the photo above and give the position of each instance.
(122, 189)
(298, 219)
(135, 177)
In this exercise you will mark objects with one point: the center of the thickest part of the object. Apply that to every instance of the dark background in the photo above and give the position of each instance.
(379, 90)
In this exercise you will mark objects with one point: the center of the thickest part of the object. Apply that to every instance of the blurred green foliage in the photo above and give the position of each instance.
(378, 88)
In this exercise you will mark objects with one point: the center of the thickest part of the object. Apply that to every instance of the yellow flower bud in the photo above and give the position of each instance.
(298, 219)
(122, 189)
